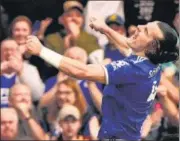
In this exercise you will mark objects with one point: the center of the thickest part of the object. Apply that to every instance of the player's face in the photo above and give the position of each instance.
(144, 35)
(9, 126)
(8, 48)
(65, 95)
(70, 128)
(20, 31)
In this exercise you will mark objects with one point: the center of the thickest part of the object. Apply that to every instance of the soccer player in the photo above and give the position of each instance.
(130, 83)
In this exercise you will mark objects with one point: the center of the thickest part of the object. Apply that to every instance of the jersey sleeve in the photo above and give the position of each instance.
(121, 72)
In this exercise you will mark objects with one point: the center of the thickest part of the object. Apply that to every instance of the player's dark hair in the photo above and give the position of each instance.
(164, 50)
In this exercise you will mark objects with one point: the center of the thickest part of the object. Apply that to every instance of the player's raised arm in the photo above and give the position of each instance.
(117, 39)
(69, 66)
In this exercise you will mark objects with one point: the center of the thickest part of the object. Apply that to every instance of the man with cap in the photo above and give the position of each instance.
(117, 24)
(73, 33)
(69, 119)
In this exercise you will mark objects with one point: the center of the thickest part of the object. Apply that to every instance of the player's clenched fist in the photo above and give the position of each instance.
(97, 24)
(33, 45)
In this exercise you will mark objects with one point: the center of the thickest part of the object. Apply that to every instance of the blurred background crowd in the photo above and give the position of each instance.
(38, 102)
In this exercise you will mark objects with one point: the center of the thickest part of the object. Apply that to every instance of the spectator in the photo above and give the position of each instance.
(75, 53)
(74, 34)
(169, 125)
(153, 122)
(9, 124)
(42, 27)
(20, 99)
(168, 105)
(17, 70)
(20, 95)
(35, 10)
(70, 120)
(117, 24)
(68, 91)
(167, 96)
(80, 55)
(20, 28)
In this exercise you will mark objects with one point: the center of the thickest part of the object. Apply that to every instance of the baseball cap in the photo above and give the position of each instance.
(114, 18)
(68, 5)
(69, 112)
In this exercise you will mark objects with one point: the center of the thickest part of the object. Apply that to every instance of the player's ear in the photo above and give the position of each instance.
(151, 47)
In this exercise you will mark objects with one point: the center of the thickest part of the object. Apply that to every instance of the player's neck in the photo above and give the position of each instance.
(142, 54)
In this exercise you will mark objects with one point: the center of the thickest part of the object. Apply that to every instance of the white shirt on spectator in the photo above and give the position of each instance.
(102, 9)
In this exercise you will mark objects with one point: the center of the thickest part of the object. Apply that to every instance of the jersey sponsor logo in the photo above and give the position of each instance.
(119, 64)
(154, 71)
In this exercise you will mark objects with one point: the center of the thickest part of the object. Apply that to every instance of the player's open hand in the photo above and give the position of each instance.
(97, 24)
(33, 45)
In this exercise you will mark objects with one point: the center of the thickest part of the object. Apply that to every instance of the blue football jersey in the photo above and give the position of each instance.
(7, 81)
(128, 97)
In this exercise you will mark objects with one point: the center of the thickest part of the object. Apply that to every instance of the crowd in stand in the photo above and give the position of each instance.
(38, 102)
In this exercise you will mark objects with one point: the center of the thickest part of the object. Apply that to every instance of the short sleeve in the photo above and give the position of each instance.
(120, 72)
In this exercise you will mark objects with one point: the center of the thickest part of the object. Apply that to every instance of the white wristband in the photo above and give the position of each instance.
(51, 57)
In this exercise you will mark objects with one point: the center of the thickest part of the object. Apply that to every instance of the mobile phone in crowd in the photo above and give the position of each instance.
(36, 27)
